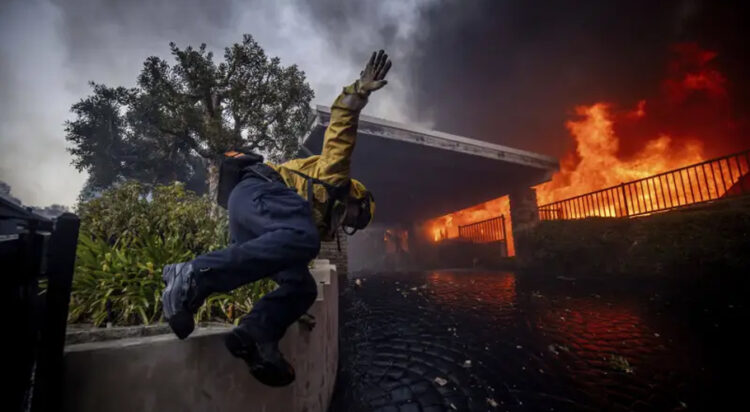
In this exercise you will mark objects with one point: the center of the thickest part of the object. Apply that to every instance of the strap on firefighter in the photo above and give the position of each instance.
(335, 193)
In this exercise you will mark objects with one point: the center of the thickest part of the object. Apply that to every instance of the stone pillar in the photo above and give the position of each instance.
(330, 251)
(524, 215)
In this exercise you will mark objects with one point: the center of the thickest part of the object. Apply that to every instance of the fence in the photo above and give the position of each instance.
(35, 251)
(485, 231)
(701, 182)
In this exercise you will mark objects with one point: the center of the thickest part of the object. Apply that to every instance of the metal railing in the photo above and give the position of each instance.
(37, 255)
(485, 231)
(701, 182)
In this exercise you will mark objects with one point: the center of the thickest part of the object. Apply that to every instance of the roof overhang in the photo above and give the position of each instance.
(417, 174)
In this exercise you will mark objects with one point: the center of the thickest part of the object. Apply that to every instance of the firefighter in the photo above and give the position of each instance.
(278, 215)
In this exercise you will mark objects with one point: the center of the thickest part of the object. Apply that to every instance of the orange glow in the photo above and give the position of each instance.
(396, 240)
(599, 166)
(492, 289)
(665, 132)
(595, 331)
(446, 227)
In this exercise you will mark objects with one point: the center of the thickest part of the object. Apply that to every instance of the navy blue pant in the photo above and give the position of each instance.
(272, 235)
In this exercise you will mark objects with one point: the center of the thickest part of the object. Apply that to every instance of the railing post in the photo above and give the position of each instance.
(61, 264)
(643, 194)
(502, 226)
(624, 199)
(502, 230)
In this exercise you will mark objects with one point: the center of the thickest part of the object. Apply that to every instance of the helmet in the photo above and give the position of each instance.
(360, 207)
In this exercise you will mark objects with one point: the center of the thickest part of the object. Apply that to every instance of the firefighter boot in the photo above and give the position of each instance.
(181, 298)
(264, 359)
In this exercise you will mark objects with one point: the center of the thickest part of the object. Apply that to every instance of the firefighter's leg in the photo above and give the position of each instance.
(272, 315)
(256, 340)
(272, 229)
(273, 234)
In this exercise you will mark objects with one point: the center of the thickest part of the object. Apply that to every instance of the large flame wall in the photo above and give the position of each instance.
(683, 123)
(686, 121)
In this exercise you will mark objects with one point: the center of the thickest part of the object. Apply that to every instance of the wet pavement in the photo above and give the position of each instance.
(486, 341)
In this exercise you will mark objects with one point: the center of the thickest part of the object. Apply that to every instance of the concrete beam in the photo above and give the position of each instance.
(411, 134)
(418, 174)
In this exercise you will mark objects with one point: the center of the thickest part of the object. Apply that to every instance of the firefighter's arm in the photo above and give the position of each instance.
(340, 136)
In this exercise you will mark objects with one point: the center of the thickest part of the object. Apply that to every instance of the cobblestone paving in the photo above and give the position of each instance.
(468, 341)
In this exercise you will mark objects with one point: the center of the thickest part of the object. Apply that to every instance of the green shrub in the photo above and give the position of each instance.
(133, 211)
(127, 236)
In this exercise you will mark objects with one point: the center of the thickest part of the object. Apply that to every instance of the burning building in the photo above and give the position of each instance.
(641, 160)
(624, 160)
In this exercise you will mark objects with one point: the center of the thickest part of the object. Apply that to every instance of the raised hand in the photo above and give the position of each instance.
(373, 76)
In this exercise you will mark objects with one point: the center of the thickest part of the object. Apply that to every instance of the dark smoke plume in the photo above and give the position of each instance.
(506, 71)
(512, 72)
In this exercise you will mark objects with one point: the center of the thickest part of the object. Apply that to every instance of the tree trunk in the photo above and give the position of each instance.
(213, 182)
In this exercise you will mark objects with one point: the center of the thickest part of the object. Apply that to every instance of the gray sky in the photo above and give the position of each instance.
(505, 71)
(50, 49)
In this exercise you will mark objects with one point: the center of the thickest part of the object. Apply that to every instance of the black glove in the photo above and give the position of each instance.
(373, 76)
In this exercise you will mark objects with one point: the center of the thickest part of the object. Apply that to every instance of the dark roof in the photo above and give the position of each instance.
(12, 214)
(417, 174)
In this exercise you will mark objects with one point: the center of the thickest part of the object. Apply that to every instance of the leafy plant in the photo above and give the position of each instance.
(127, 236)
(134, 211)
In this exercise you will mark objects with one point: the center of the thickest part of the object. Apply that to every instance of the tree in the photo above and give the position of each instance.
(100, 137)
(179, 119)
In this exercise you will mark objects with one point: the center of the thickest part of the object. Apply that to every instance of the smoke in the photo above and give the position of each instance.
(5, 192)
(50, 49)
(510, 72)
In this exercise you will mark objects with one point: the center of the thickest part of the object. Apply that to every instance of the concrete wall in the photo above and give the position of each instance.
(524, 217)
(339, 258)
(161, 373)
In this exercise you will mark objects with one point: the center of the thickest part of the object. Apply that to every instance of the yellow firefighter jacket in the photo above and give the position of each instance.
(333, 165)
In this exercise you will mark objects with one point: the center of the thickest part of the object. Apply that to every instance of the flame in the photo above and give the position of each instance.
(446, 227)
(599, 166)
(662, 133)
(613, 146)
